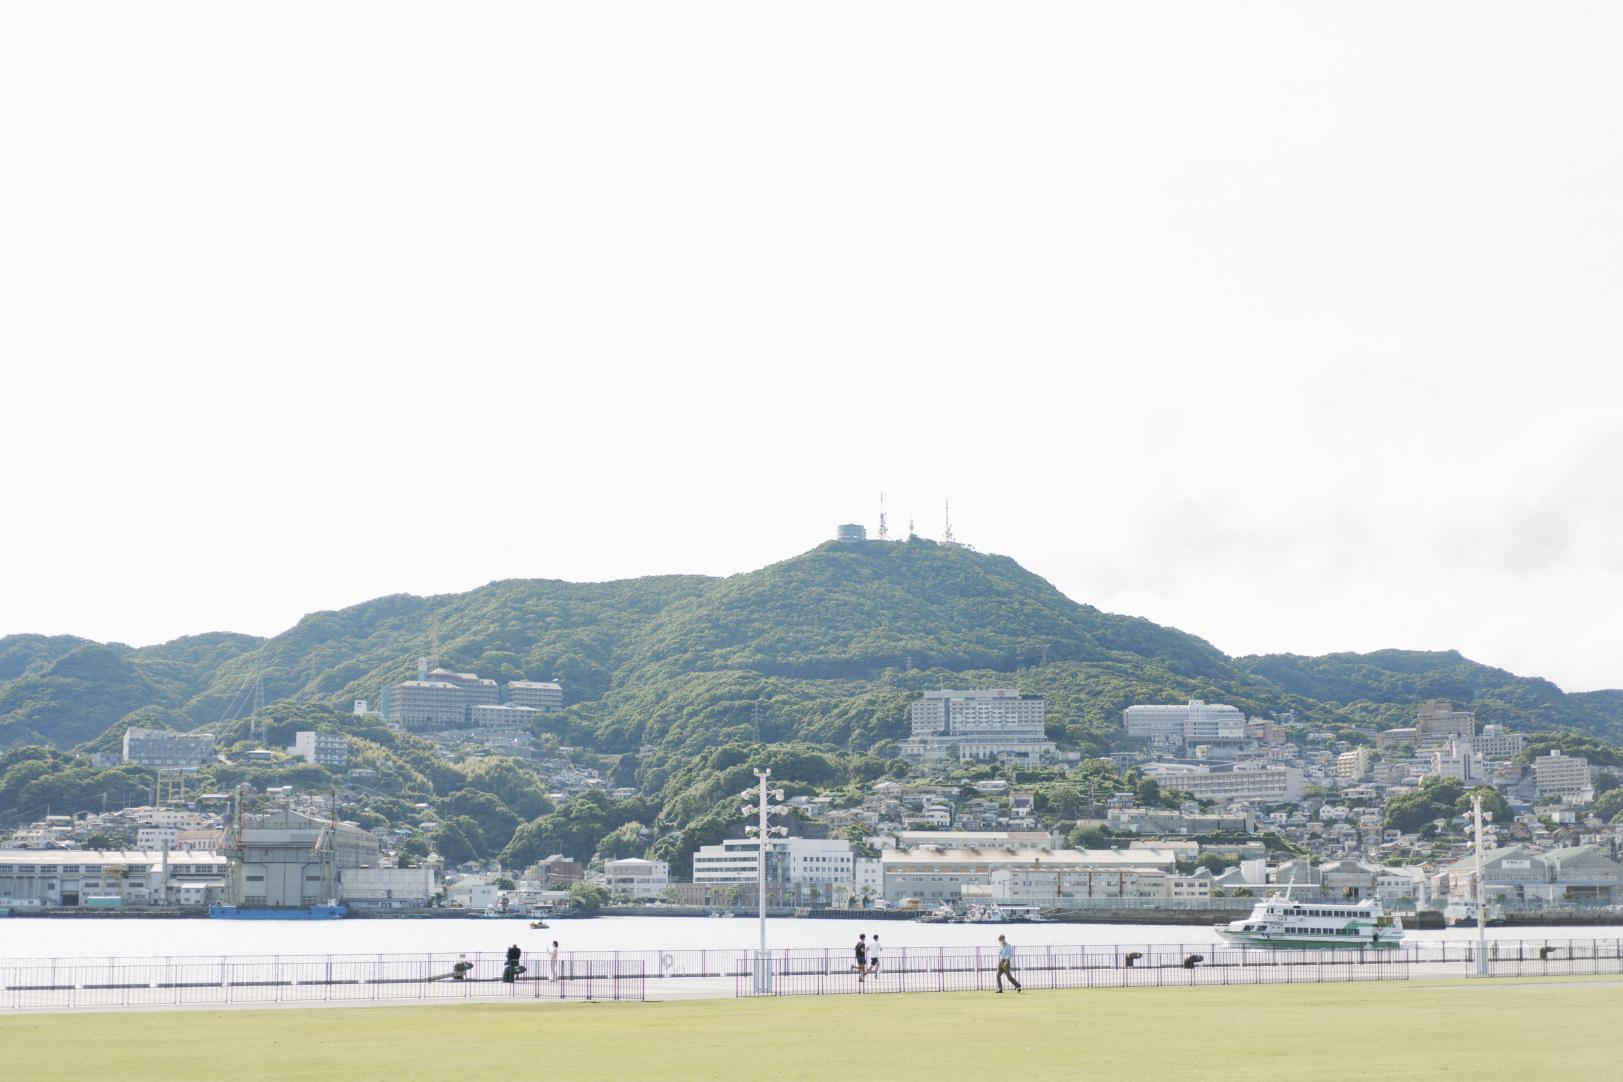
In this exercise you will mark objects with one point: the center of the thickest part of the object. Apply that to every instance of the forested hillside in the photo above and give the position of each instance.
(677, 685)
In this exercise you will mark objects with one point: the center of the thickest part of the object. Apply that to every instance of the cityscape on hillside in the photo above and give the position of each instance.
(982, 802)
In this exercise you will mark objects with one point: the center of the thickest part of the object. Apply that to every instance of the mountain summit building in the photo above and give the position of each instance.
(983, 726)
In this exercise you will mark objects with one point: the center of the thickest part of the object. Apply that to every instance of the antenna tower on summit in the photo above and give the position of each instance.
(884, 530)
(946, 534)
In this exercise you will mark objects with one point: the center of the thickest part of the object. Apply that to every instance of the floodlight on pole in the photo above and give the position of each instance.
(763, 832)
(1481, 898)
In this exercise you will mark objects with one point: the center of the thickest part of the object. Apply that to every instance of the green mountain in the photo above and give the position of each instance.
(825, 647)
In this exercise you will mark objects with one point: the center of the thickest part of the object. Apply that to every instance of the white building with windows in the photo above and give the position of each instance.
(70, 878)
(505, 717)
(1495, 742)
(1253, 782)
(1563, 776)
(636, 877)
(795, 862)
(537, 694)
(1173, 728)
(323, 749)
(986, 726)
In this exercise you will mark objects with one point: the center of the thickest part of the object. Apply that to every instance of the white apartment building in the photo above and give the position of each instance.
(323, 749)
(158, 838)
(1172, 728)
(1564, 776)
(425, 704)
(986, 726)
(537, 694)
(1438, 717)
(637, 877)
(166, 817)
(161, 749)
(802, 862)
(1496, 742)
(1456, 761)
(1351, 765)
(1254, 782)
(508, 717)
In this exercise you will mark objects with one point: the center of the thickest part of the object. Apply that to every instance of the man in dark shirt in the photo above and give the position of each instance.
(862, 956)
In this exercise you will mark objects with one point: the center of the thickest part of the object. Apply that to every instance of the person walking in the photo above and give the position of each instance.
(552, 959)
(862, 957)
(1005, 962)
(873, 955)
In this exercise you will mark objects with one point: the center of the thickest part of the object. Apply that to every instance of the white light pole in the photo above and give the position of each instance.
(763, 833)
(1481, 901)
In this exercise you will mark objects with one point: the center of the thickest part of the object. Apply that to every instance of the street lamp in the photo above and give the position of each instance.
(763, 832)
(1481, 968)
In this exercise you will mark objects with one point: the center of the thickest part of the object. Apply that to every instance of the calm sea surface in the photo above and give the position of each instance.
(34, 937)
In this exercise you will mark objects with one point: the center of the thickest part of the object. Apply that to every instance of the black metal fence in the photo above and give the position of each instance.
(1161, 965)
(139, 982)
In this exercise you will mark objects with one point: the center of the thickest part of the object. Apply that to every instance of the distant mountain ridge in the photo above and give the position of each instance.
(831, 642)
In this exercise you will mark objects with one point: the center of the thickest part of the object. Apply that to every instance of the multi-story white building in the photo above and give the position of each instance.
(156, 838)
(503, 716)
(161, 749)
(541, 695)
(425, 704)
(1564, 776)
(323, 749)
(1351, 765)
(988, 726)
(1456, 760)
(795, 862)
(1172, 728)
(1495, 742)
(1438, 717)
(637, 877)
(1254, 782)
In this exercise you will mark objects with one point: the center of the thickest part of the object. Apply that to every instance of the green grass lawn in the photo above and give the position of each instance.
(1526, 1029)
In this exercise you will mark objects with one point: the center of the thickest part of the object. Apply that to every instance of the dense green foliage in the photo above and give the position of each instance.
(677, 686)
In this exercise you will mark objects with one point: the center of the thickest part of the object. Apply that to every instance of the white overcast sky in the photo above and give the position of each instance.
(1296, 326)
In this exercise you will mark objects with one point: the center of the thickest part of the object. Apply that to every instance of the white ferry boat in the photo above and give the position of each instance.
(1281, 921)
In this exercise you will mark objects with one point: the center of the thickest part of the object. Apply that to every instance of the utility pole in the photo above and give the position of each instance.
(763, 832)
(1481, 903)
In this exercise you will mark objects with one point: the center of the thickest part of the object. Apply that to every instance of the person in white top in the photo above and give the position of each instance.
(873, 955)
(552, 959)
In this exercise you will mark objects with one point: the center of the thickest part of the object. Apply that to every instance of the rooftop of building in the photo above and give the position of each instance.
(1076, 857)
(144, 857)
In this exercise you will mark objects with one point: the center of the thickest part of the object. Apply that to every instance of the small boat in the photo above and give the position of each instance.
(538, 924)
(1280, 921)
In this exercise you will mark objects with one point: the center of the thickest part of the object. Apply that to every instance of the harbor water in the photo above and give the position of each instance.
(92, 937)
